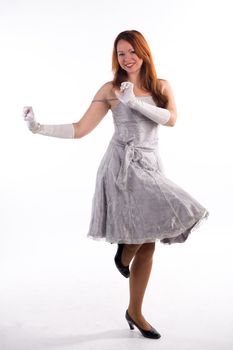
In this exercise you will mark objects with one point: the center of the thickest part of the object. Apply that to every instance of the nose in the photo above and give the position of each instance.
(127, 58)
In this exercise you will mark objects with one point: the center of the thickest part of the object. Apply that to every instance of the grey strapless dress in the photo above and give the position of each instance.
(134, 202)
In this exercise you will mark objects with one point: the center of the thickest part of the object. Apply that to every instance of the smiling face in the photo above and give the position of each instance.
(127, 58)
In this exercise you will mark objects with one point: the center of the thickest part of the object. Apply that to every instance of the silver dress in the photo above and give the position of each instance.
(134, 202)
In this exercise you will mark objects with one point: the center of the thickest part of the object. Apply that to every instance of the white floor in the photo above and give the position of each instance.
(65, 293)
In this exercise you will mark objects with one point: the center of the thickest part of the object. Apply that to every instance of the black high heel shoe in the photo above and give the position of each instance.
(152, 333)
(124, 270)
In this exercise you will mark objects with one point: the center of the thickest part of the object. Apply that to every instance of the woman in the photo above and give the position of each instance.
(134, 203)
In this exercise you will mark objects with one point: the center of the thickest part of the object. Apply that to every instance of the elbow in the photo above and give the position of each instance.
(78, 132)
(78, 135)
(76, 129)
(172, 121)
(81, 130)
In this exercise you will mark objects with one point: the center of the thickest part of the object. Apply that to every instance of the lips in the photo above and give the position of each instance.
(129, 65)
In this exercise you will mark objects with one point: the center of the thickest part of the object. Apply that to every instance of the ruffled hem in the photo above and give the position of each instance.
(167, 238)
(183, 236)
(123, 240)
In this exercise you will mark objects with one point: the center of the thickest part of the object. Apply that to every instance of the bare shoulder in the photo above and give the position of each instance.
(106, 91)
(106, 95)
(164, 86)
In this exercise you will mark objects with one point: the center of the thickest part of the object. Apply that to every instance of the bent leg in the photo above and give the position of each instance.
(129, 252)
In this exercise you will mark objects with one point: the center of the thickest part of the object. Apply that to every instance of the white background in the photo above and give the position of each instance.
(58, 289)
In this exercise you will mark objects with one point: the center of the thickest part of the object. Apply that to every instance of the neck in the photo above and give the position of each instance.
(135, 79)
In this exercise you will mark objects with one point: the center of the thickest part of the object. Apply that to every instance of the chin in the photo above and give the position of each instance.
(132, 69)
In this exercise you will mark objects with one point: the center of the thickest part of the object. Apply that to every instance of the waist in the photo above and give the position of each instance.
(133, 143)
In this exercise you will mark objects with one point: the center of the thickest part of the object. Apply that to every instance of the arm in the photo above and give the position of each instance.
(94, 114)
(85, 125)
(166, 90)
(164, 116)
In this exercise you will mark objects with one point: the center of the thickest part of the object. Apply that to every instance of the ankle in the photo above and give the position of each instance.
(134, 313)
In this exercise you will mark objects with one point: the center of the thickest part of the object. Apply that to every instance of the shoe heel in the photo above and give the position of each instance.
(131, 326)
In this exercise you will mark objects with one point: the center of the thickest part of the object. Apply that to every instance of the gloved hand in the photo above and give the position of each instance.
(127, 97)
(29, 117)
(126, 94)
(62, 131)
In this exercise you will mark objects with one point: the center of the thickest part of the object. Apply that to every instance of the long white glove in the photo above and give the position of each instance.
(126, 96)
(65, 131)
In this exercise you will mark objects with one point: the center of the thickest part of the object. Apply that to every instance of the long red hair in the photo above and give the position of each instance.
(148, 76)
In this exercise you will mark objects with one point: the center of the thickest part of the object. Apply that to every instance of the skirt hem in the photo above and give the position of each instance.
(164, 238)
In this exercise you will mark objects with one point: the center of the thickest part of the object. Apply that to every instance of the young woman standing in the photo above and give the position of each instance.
(134, 204)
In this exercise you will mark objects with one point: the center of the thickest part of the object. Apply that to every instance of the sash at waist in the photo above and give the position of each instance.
(133, 153)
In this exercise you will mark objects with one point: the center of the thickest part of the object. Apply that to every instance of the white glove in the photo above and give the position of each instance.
(126, 96)
(29, 117)
(63, 131)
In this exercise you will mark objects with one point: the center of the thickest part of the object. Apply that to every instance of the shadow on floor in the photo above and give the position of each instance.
(21, 341)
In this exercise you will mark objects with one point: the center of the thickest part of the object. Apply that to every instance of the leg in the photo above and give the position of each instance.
(139, 277)
(129, 252)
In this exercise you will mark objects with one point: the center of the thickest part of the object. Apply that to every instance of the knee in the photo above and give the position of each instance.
(132, 248)
(146, 251)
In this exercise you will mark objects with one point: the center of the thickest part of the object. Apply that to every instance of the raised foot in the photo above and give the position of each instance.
(124, 270)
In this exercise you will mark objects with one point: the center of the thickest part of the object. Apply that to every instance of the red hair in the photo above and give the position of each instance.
(148, 76)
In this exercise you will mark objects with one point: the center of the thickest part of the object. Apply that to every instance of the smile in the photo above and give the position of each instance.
(129, 65)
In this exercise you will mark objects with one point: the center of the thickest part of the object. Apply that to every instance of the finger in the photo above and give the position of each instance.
(26, 115)
(27, 109)
(123, 87)
(126, 85)
(27, 112)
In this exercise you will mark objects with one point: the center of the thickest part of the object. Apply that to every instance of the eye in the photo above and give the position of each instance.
(120, 54)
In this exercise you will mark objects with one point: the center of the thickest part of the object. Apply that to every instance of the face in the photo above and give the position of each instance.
(127, 58)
